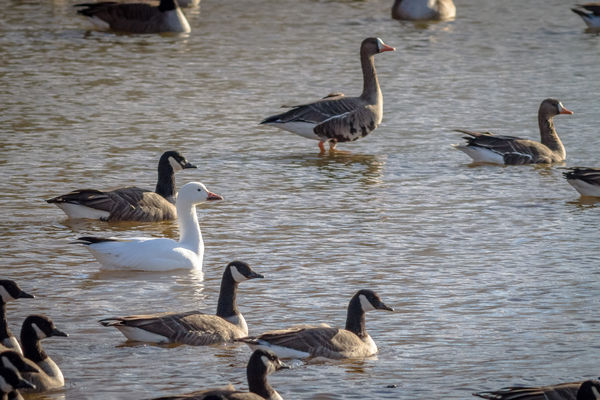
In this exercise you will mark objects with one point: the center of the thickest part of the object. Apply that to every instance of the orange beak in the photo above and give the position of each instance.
(214, 196)
(385, 47)
(565, 111)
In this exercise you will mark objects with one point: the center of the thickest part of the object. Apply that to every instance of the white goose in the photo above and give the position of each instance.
(159, 254)
(585, 180)
(590, 13)
(416, 10)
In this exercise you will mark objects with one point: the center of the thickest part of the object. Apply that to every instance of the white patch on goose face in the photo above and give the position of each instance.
(175, 165)
(6, 297)
(379, 44)
(365, 303)
(237, 276)
(40, 333)
(5, 386)
(268, 364)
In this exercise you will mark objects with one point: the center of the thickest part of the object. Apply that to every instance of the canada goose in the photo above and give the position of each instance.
(34, 329)
(129, 203)
(487, 148)
(193, 327)
(136, 17)
(585, 180)
(423, 9)
(9, 291)
(324, 341)
(591, 15)
(10, 381)
(14, 361)
(336, 119)
(261, 363)
(581, 390)
(159, 254)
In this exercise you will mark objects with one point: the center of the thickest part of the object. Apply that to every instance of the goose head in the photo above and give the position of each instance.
(175, 160)
(552, 107)
(40, 327)
(12, 360)
(9, 290)
(589, 390)
(11, 380)
(196, 193)
(265, 362)
(241, 271)
(369, 300)
(371, 46)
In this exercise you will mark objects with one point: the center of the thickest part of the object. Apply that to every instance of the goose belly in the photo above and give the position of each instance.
(304, 129)
(482, 155)
(417, 9)
(141, 335)
(78, 211)
(49, 378)
(584, 188)
(175, 21)
(282, 352)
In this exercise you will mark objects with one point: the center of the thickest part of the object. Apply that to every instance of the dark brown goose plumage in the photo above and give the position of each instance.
(580, 390)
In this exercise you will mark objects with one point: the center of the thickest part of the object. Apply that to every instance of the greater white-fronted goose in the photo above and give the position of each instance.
(14, 361)
(590, 13)
(484, 147)
(48, 375)
(10, 381)
(323, 341)
(129, 203)
(417, 10)
(193, 327)
(585, 180)
(136, 17)
(581, 390)
(261, 364)
(338, 118)
(159, 254)
(9, 291)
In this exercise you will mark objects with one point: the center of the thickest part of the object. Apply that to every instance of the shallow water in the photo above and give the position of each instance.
(493, 271)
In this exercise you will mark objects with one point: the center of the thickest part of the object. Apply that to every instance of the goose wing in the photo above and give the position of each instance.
(111, 11)
(589, 175)
(228, 393)
(315, 112)
(592, 7)
(563, 391)
(513, 149)
(349, 126)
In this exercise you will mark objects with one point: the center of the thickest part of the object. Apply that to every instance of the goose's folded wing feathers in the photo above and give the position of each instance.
(316, 112)
(349, 126)
(589, 175)
(563, 391)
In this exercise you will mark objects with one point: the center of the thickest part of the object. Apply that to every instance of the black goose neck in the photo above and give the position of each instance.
(227, 305)
(257, 381)
(165, 186)
(355, 319)
(167, 5)
(32, 348)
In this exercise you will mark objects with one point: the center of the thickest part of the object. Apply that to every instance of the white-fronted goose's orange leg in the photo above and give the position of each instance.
(321, 146)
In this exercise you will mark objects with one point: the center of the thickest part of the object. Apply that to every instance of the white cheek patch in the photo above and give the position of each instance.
(560, 107)
(379, 44)
(365, 304)
(175, 165)
(6, 297)
(267, 362)
(237, 276)
(5, 386)
(40, 334)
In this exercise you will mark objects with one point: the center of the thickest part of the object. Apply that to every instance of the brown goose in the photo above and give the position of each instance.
(591, 15)
(322, 340)
(485, 147)
(585, 180)
(338, 118)
(136, 17)
(193, 327)
(261, 364)
(423, 10)
(581, 390)
(129, 203)
(9, 291)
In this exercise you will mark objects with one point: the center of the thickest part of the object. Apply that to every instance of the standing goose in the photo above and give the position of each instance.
(423, 10)
(159, 254)
(582, 390)
(337, 118)
(193, 327)
(485, 147)
(10, 381)
(324, 341)
(9, 291)
(585, 180)
(261, 364)
(136, 17)
(14, 361)
(129, 203)
(591, 15)
(49, 376)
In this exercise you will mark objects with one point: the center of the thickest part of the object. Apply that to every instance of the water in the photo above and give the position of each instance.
(493, 271)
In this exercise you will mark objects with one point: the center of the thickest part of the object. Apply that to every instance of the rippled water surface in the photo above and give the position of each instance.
(494, 272)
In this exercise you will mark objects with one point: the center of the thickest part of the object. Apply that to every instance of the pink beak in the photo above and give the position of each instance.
(214, 196)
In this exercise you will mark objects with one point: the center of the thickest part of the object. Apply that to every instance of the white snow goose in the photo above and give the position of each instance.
(48, 375)
(129, 203)
(193, 327)
(419, 10)
(581, 390)
(136, 17)
(585, 180)
(322, 340)
(590, 13)
(261, 364)
(9, 291)
(159, 254)
(484, 147)
(337, 118)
